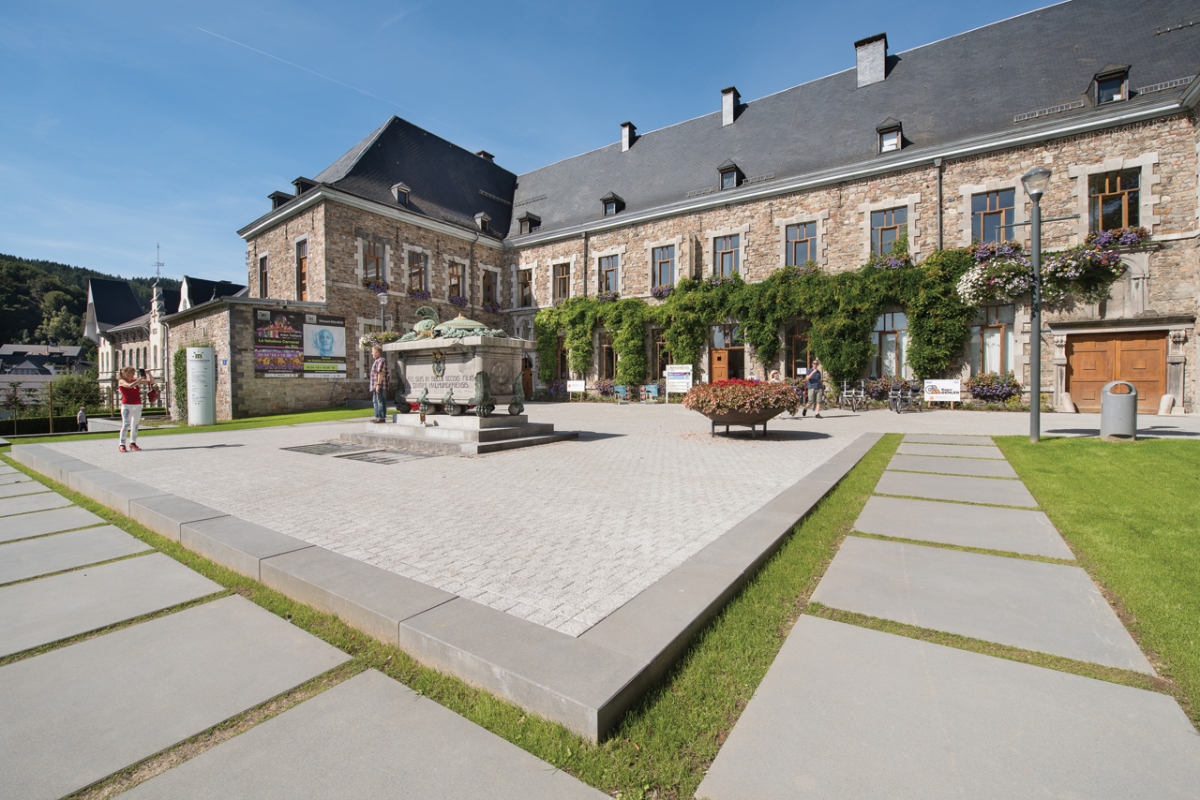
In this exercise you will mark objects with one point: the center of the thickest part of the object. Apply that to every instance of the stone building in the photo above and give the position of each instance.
(928, 145)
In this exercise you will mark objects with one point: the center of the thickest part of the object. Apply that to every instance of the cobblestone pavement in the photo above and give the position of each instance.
(562, 534)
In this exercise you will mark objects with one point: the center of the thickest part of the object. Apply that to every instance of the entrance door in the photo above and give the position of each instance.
(1140, 358)
(720, 366)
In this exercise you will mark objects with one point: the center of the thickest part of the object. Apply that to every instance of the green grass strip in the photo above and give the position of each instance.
(667, 741)
(1131, 513)
(301, 418)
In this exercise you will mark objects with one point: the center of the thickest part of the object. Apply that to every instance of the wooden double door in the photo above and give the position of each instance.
(1094, 360)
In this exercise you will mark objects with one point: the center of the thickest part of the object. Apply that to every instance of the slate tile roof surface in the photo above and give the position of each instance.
(113, 302)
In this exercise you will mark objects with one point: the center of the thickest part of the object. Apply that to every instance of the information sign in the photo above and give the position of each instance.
(576, 386)
(679, 378)
(943, 391)
(201, 386)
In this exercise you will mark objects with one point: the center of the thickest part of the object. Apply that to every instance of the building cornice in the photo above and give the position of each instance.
(211, 305)
(326, 192)
(909, 159)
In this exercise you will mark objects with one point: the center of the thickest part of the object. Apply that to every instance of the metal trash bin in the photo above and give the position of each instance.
(1118, 413)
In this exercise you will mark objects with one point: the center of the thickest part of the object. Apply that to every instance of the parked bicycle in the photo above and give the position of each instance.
(853, 397)
(906, 396)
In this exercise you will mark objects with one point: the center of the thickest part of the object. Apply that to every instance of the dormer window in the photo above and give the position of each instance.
(528, 223)
(1112, 85)
(400, 192)
(891, 137)
(612, 204)
(483, 222)
(731, 176)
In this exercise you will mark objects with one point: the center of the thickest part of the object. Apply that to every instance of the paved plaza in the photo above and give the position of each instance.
(560, 535)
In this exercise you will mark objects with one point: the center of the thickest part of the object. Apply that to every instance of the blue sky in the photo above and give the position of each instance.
(128, 124)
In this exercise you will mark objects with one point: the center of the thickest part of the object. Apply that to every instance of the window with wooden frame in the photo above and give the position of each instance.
(797, 353)
(562, 362)
(418, 270)
(726, 252)
(524, 288)
(890, 339)
(1112, 86)
(660, 356)
(1113, 200)
(608, 358)
(263, 277)
(608, 274)
(302, 269)
(372, 260)
(887, 227)
(662, 266)
(729, 178)
(992, 215)
(456, 279)
(992, 340)
(490, 294)
(562, 281)
(801, 241)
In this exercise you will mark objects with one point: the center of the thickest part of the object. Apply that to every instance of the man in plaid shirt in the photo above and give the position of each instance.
(379, 383)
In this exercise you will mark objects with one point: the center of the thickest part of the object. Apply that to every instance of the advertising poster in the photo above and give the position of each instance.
(292, 344)
(943, 391)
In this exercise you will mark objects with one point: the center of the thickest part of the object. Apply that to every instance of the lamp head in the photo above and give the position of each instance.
(383, 298)
(1035, 181)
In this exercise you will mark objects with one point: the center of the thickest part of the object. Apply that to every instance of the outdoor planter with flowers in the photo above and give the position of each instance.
(369, 340)
(743, 403)
(377, 285)
(458, 300)
(993, 387)
(419, 294)
(1085, 273)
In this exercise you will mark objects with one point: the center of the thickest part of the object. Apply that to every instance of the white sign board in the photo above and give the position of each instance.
(201, 386)
(576, 386)
(943, 391)
(679, 378)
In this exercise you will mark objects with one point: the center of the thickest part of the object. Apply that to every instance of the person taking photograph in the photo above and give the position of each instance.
(130, 387)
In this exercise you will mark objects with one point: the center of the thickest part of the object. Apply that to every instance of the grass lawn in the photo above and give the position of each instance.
(299, 418)
(666, 742)
(1131, 512)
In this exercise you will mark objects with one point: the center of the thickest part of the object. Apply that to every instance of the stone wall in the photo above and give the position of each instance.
(201, 329)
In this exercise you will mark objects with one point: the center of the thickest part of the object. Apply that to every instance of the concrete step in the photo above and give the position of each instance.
(514, 444)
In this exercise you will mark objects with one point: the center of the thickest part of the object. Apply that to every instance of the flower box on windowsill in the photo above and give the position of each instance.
(458, 300)
(377, 285)
(419, 294)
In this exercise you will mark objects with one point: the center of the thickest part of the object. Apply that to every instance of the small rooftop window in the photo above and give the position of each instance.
(529, 222)
(612, 204)
(483, 221)
(891, 136)
(400, 192)
(731, 176)
(1112, 85)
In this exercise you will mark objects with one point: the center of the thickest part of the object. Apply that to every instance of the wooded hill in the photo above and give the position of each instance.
(43, 302)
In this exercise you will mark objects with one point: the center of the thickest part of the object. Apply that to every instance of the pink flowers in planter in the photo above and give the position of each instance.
(741, 397)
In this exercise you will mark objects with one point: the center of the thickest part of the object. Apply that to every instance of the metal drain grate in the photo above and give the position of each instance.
(327, 448)
(385, 457)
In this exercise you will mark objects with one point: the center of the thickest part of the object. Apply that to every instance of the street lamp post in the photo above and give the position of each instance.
(1035, 182)
(383, 298)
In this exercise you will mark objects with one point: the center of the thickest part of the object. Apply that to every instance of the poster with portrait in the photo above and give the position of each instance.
(294, 344)
(324, 346)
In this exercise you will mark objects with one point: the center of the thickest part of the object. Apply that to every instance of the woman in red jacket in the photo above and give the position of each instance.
(130, 387)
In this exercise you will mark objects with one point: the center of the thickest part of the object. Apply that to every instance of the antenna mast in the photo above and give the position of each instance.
(158, 265)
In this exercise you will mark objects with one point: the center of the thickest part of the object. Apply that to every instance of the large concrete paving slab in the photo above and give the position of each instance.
(1050, 608)
(10, 475)
(957, 488)
(846, 712)
(5, 469)
(946, 438)
(43, 522)
(33, 502)
(21, 488)
(367, 737)
(39, 612)
(950, 450)
(979, 467)
(73, 716)
(33, 557)
(1010, 529)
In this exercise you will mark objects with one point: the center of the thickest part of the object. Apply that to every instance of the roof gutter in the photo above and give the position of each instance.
(326, 192)
(916, 157)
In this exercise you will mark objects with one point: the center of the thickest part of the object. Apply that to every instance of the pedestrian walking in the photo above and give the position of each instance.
(130, 387)
(81, 420)
(379, 384)
(816, 389)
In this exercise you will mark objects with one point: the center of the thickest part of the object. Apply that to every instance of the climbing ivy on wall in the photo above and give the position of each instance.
(841, 310)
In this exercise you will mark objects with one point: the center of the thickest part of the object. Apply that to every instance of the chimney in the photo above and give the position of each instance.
(484, 154)
(872, 59)
(730, 100)
(628, 135)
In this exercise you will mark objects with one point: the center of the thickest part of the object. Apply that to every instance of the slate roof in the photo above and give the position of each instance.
(112, 302)
(170, 301)
(446, 182)
(137, 322)
(968, 85)
(200, 291)
(48, 350)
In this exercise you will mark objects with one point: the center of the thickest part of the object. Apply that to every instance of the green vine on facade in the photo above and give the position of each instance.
(841, 310)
